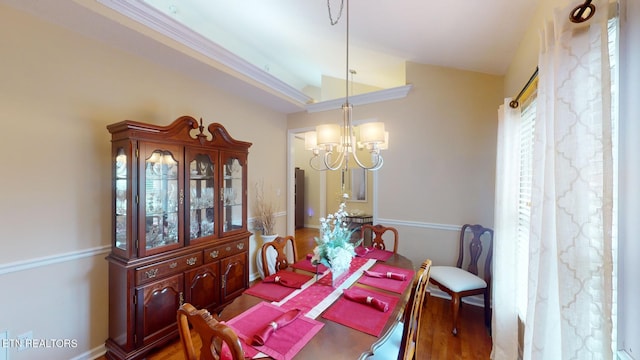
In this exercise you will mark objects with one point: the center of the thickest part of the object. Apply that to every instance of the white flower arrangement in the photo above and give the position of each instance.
(334, 248)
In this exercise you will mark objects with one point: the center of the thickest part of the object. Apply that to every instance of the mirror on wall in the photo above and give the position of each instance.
(357, 185)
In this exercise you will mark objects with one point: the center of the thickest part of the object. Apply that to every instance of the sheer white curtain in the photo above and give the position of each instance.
(505, 315)
(570, 265)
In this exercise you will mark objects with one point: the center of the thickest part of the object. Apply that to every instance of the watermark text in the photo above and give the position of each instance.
(38, 343)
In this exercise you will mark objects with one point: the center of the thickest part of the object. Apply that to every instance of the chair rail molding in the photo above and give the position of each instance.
(419, 224)
(52, 259)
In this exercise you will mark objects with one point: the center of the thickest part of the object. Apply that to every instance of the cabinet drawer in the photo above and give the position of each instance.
(228, 249)
(168, 267)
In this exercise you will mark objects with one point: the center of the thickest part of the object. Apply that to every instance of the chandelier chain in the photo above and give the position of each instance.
(333, 22)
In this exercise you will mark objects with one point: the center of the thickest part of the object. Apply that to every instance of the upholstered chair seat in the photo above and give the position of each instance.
(456, 279)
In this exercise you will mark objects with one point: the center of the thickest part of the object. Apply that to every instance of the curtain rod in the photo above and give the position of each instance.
(579, 14)
(515, 103)
(582, 13)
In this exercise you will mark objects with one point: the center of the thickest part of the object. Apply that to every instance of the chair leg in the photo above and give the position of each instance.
(487, 310)
(455, 308)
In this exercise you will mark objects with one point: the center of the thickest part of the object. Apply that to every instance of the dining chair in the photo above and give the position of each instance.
(379, 230)
(219, 341)
(402, 341)
(272, 261)
(460, 282)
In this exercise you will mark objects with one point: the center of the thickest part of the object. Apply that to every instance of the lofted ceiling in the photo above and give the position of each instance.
(288, 52)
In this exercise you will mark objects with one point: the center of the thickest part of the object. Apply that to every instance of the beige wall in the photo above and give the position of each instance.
(59, 92)
(525, 60)
(439, 171)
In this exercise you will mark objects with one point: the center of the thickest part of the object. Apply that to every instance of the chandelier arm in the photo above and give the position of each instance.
(380, 163)
(375, 166)
(326, 161)
(313, 166)
(336, 164)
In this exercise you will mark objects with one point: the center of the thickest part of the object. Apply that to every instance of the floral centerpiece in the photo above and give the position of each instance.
(334, 247)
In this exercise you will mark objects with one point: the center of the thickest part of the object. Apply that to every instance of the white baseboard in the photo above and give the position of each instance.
(92, 354)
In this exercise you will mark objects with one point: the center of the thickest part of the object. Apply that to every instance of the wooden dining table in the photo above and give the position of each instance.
(336, 341)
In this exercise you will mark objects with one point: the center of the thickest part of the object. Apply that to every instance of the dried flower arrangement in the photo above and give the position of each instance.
(265, 211)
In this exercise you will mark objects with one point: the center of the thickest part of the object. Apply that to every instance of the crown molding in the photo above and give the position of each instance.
(362, 99)
(152, 18)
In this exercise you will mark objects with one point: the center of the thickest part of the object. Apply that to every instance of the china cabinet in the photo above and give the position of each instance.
(179, 228)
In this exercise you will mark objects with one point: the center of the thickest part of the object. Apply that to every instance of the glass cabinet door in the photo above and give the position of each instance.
(161, 198)
(232, 192)
(121, 199)
(201, 195)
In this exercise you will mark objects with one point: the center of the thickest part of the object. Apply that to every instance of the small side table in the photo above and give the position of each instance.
(355, 223)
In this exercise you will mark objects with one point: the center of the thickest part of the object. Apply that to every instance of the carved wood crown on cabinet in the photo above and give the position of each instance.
(179, 228)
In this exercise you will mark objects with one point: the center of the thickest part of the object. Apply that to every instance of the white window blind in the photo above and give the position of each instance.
(528, 118)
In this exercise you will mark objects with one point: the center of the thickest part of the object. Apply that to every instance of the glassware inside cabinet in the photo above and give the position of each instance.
(121, 199)
(161, 199)
(231, 195)
(201, 197)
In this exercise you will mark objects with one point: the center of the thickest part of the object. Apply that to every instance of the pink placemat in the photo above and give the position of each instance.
(283, 344)
(274, 291)
(308, 298)
(397, 286)
(306, 265)
(362, 316)
(373, 253)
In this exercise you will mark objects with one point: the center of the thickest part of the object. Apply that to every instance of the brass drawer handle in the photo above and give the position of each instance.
(192, 261)
(150, 274)
(173, 265)
(214, 254)
(240, 246)
(228, 248)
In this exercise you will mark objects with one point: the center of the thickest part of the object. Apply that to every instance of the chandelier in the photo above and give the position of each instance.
(333, 145)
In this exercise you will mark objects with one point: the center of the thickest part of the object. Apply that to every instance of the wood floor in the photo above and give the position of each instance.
(436, 341)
